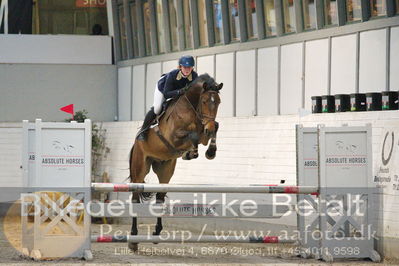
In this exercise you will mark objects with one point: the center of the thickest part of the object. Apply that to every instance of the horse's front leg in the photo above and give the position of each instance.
(192, 154)
(194, 138)
(211, 151)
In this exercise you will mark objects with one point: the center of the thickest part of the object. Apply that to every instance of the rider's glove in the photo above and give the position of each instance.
(181, 91)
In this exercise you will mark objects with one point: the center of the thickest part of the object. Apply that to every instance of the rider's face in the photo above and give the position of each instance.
(186, 70)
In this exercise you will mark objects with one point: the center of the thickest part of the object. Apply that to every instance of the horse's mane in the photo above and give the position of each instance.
(204, 78)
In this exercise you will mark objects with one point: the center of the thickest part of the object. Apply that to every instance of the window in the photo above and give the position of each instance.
(218, 24)
(160, 27)
(147, 26)
(353, 10)
(270, 17)
(188, 33)
(234, 21)
(309, 14)
(173, 24)
(202, 23)
(122, 32)
(378, 8)
(330, 12)
(67, 17)
(252, 26)
(133, 16)
(289, 16)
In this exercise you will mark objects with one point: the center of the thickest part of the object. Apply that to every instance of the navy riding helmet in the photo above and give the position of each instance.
(186, 61)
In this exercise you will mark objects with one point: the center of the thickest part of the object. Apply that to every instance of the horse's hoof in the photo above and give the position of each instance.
(155, 234)
(133, 247)
(210, 155)
(186, 156)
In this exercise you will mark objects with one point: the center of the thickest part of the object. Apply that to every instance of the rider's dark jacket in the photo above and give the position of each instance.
(172, 82)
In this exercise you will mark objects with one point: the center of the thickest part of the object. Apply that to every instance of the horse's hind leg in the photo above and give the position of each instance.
(134, 230)
(139, 168)
(164, 171)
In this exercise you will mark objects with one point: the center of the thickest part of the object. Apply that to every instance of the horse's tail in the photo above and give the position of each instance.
(144, 196)
(130, 164)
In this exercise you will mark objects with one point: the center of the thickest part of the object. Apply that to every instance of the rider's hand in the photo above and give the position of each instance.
(181, 92)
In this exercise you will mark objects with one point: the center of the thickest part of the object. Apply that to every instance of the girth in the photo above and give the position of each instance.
(167, 143)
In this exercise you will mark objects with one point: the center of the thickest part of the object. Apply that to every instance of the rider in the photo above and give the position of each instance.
(170, 85)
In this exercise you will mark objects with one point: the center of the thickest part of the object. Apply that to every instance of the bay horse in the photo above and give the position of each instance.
(188, 121)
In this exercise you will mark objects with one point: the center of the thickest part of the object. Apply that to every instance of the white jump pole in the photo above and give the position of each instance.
(140, 187)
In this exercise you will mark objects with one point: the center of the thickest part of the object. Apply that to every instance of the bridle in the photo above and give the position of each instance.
(204, 118)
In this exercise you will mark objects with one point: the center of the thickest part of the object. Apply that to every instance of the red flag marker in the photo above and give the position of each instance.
(68, 109)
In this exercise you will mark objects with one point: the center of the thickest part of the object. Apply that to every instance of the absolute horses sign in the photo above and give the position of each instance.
(57, 158)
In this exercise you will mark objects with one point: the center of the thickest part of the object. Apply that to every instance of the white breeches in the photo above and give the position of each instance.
(158, 100)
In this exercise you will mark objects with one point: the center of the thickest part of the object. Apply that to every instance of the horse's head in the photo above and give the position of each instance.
(208, 106)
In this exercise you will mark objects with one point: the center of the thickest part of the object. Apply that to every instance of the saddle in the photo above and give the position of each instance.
(165, 106)
(157, 130)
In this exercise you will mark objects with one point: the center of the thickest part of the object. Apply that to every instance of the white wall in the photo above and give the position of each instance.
(225, 74)
(245, 83)
(291, 78)
(167, 66)
(124, 93)
(153, 75)
(138, 93)
(205, 64)
(268, 81)
(316, 70)
(394, 62)
(372, 64)
(250, 150)
(10, 155)
(343, 64)
(55, 49)
(254, 150)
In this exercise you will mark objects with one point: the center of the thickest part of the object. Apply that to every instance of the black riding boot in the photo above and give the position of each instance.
(149, 117)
